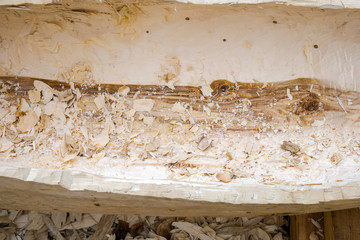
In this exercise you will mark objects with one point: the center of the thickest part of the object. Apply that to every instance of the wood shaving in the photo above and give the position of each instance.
(143, 105)
(204, 143)
(65, 95)
(100, 102)
(28, 122)
(5, 144)
(289, 94)
(224, 176)
(34, 96)
(178, 107)
(336, 158)
(123, 91)
(291, 147)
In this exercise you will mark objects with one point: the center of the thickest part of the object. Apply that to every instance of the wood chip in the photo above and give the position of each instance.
(260, 234)
(100, 102)
(224, 176)
(289, 94)
(65, 95)
(278, 236)
(52, 228)
(143, 105)
(291, 147)
(165, 227)
(87, 220)
(34, 96)
(27, 122)
(204, 143)
(178, 107)
(24, 106)
(123, 91)
(5, 144)
(47, 95)
(336, 158)
(192, 229)
(35, 221)
(313, 236)
(103, 227)
(58, 218)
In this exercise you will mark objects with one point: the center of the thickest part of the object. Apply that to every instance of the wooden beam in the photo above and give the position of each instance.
(346, 224)
(301, 226)
(328, 226)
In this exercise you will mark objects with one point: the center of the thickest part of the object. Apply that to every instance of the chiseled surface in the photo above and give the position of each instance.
(46, 189)
(183, 44)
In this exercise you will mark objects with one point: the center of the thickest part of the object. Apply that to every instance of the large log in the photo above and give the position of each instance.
(165, 108)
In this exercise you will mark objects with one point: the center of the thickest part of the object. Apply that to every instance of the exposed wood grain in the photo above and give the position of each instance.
(328, 226)
(301, 226)
(302, 99)
(18, 194)
(346, 224)
(225, 93)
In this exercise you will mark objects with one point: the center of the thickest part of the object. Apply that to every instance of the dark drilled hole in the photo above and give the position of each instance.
(97, 204)
(147, 31)
(224, 40)
(316, 46)
(187, 18)
(274, 22)
(224, 88)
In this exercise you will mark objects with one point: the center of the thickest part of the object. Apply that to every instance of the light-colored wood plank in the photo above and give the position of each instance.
(93, 194)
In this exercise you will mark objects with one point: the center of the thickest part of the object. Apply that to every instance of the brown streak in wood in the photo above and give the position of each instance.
(328, 226)
(301, 225)
(346, 224)
(259, 94)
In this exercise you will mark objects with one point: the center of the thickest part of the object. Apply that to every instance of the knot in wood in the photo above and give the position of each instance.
(310, 103)
(221, 87)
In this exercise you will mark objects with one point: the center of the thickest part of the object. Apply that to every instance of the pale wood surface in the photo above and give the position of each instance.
(69, 190)
(57, 191)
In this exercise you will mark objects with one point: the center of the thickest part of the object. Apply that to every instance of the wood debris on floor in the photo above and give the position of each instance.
(31, 225)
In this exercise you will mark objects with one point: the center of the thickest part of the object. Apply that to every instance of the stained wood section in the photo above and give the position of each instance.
(328, 226)
(304, 97)
(301, 226)
(346, 224)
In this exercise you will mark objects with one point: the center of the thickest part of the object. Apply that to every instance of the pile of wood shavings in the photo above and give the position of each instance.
(132, 137)
(30, 225)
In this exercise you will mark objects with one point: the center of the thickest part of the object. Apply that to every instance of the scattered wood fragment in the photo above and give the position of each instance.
(111, 227)
(52, 228)
(291, 147)
(103, 227)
